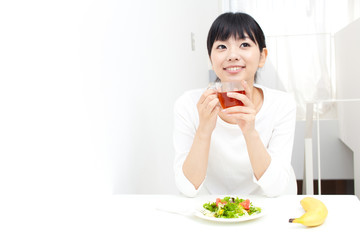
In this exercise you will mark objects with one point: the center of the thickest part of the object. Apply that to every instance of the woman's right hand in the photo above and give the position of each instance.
(208, 109)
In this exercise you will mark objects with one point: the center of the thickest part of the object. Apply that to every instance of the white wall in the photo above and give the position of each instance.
(335, 157)
(87, 89)
(347, 53)
(158, 69)
(348, 81)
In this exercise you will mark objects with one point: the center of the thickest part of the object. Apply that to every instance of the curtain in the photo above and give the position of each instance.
(299, 37)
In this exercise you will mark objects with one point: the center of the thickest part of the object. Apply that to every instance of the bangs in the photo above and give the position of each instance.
(237, 25)
(237, 29)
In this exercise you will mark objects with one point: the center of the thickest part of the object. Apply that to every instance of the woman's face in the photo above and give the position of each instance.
(237, 59)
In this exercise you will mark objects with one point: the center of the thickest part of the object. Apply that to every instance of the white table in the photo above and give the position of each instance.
(137, 217)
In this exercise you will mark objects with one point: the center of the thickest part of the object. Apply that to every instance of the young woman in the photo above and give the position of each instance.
(240, 150)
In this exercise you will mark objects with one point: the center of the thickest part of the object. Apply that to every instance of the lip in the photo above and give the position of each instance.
(234, 68)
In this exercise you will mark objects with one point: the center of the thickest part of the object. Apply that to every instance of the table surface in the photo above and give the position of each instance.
(143, 216)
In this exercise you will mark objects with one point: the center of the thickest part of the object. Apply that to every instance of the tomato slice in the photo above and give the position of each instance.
(246, 204)
(218, 200)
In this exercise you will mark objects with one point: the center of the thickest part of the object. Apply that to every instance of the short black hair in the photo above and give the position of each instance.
(235, 25)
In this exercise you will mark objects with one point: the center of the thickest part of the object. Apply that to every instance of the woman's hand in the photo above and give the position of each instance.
(196, 162)
(208, 109)
(243, 116)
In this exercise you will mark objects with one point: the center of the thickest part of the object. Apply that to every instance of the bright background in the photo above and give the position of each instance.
(87, 91)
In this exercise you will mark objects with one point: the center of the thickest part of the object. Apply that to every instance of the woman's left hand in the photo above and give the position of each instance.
(243, 116)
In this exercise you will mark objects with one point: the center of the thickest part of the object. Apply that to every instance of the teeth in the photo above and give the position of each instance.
(233, 68)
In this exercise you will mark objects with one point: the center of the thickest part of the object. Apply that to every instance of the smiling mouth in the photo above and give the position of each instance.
(233, 69)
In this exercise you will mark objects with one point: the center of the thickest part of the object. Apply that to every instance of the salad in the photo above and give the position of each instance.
(230, 207)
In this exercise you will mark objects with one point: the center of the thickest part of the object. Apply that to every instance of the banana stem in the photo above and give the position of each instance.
(291, 220)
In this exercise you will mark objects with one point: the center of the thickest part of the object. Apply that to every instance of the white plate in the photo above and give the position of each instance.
(229, 220)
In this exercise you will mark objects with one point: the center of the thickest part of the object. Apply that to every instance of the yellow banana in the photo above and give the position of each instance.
(315, 212)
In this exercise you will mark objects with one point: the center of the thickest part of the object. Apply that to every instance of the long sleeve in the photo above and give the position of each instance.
(185, 125)
(229, 169)
(279, 178)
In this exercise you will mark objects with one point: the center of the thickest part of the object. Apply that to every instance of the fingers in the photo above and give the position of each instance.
(241, 97)
(208, 100)
(240, 115)
(206, 94)
(213, 106)
(247, 89)
(209, 105)
(244, 115)
(239, 109)
(208, 109)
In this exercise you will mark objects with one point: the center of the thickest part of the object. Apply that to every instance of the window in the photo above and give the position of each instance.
(299, 37)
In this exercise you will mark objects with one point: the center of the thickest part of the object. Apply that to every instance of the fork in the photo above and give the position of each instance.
(203, 211)
(180, 212)
(184, 213)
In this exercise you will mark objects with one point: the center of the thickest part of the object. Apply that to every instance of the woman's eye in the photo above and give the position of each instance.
(245, 45)
(221, 46)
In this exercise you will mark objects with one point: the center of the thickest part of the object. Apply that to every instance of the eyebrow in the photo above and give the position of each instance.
(245, 38)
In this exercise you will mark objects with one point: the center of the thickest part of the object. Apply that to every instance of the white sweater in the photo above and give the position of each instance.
(229, 170)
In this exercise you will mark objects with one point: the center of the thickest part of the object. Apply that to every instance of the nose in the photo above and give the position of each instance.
(230, 59)
(233, 56)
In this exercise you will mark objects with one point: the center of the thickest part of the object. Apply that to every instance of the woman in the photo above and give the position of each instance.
(243, 149)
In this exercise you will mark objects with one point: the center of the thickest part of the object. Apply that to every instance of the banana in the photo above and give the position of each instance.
(315, 212)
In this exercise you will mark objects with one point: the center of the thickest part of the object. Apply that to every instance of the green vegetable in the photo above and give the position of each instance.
(230, 207)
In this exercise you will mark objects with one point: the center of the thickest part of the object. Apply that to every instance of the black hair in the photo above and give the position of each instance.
(235, 25)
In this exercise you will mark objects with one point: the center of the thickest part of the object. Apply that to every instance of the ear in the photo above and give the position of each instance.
(263, 56)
